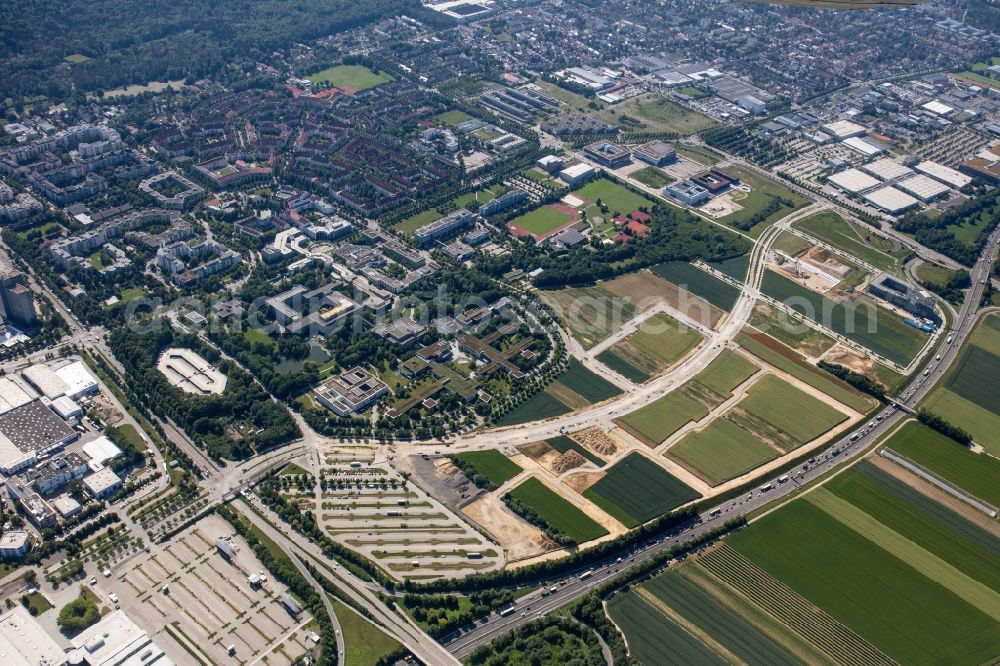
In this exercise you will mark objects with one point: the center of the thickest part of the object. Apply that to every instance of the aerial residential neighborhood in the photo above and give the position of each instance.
(499, 332)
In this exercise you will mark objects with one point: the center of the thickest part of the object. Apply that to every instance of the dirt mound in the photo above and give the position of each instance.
(568, 460)
(583, 480)
(849, 359)
(446, 467)
(596, 440)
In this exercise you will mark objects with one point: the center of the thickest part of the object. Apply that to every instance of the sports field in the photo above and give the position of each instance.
(541, 221)
(660, 342)
(618, 198)
(785, 359)
(350, 78)
(864, 322)
(865, 245)
(721, 451)
(699, 283)
(492, 464)
(969, 397)
(636, 489)
(976, 473)
(557, 511)
(903, 600)
(590, 314)
(790, 410)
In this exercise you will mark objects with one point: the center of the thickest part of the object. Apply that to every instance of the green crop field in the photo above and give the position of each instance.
(735, 633)
(865, 245)
(653, 639)
(617, 198)
(765, 191)
(699, 283)
(350, 77)
(581, 380)
(735, 267)
(492, 464)
(653, 176)
(542, 405)
(656, 421)
(590, 314)
(769, 350)
(789, 409)
(726, 372)
(873, 327)
(627, 362)
(975, 473)
(636, 489)
(721, 451)
(542, 220)
(910, 617)
(660, 342)
(557, 511)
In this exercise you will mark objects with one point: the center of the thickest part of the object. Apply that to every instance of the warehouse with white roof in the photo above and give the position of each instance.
(23, 641)
(945, 174)
(853, 181)
(891, 200)
(844, 129)
(923, 188)
(887, 169)
(866, 148)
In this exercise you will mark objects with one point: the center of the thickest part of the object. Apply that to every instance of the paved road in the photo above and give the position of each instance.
(572, 587)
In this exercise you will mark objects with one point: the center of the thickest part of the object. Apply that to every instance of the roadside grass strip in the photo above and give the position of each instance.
(653, 639)
(898, 609)
(636, 489)
(930, 565)
(721, 451)
(975, 473)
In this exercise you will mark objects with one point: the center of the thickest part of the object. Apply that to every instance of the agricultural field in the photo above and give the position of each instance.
(636, 489)
(969, 396)
(495, 466)
(735, 267)
(654, 422)
(574, 388)
(652, 113)
(645, 289)
(659, 343)
(652, 638)
(765, 195)
(865, 245)
(590, 314)
(785, 359)
(699, 283)
(618, 198)
(873, 327)
(560, 444)
(789, 409)
(899, 599)
(350, 78)
(785, 329)
(975, 473)
(652, 176)
(557, 511)
(721, 451)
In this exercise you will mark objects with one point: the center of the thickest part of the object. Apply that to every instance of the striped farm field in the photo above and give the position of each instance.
(557, 511)
(590, 314)
(890, 592)
(789, 409)
(721, 451)
(653, 639)
(726, 372)
(636, 489)
(698, 282)
(660, 342)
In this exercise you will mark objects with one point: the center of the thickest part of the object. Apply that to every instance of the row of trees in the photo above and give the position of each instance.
(936, 233)
(861, 382)
(944, 427)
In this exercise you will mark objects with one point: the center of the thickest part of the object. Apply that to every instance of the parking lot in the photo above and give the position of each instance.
(198, 605)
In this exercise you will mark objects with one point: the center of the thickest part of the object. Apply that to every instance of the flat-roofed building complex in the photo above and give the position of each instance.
(351, 392)
(23, 641)
(307, 313)
(887, 169)
(29, 432)
(687, 192)
(945, 174)
(853, 181)
(444, 227)
(576, 174)
(117, 641)
(656, 153)
(14, 545)
(891, 200)
(608, 154)
(923, 187)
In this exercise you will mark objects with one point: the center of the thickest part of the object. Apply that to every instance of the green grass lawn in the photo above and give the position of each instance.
(659, 343)
(654, 422)
(698, 282)
(542, 405)
(76, 58)
(557, 511)
(721, 451)
(700, 154)
(453, 117)
(789, 409)
(975, 473)
(865, 245)
(899, 610)
(873, 327)
(764, 191)
(653, 177)
(357, 77)
(726, 372)
(37, 604)
(258, 336)
(935, 274)
(658, 115)
(636, 489)
(542, 220)
(492, 464)
(617, 198)
(363, 642)
(414, 222)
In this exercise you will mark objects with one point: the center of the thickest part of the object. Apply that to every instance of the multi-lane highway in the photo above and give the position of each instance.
(572, 586)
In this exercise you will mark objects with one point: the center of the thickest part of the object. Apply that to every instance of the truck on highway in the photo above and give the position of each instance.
(767, 486)
(586, 574)
(951, 336)
(715, 513)
(783, 479)
(507, 611)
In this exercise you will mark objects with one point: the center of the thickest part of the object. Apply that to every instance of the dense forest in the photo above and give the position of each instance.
(127, 41)
(934, 232)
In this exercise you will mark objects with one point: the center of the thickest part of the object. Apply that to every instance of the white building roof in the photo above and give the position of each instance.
(23, 642)
(938, 107)
(853, 180)
(922, 187)
(78, 378)
(945, 174)
(890, 199)
(101, 480)
(887, 169)
(577, 170)
(66, 408)
(13, 394)
(864, 147)
(842, 129)
(118, 640)
(101, 449)
(11, 457)
(45, 380)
